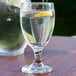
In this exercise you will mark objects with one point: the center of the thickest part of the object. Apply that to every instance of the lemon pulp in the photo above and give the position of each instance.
(43, 13)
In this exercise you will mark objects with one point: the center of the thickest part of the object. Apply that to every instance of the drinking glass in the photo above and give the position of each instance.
(37, 23)
(12, 41)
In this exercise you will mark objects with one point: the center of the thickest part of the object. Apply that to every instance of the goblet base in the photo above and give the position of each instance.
(35, 69)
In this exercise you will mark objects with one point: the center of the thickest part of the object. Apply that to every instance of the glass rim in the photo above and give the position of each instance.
(38, 3)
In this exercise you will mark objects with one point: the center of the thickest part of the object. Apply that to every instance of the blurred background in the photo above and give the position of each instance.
(65, 24)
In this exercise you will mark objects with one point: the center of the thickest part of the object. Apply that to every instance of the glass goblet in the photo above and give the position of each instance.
(37, 23)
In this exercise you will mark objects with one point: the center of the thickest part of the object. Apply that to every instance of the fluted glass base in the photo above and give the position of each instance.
(13, 52)
(36, 68)
(7, 52)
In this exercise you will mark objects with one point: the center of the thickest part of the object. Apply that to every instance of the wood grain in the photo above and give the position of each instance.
(60, 53)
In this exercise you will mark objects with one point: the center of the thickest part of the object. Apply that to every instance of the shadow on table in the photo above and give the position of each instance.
(55, 52)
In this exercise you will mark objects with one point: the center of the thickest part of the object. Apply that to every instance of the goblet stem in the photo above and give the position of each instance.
(38, 58)
(37, 67)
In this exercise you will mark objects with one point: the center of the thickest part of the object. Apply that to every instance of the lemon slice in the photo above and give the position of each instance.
(43, 13)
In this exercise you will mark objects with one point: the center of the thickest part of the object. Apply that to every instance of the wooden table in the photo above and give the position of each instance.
(60, 53)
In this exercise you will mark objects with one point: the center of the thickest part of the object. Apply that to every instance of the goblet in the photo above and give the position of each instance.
(37, 23)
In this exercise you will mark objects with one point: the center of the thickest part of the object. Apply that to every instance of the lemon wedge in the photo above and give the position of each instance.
(43, 13)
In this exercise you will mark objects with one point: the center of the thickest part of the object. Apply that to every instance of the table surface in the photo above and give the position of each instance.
(60, 53)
